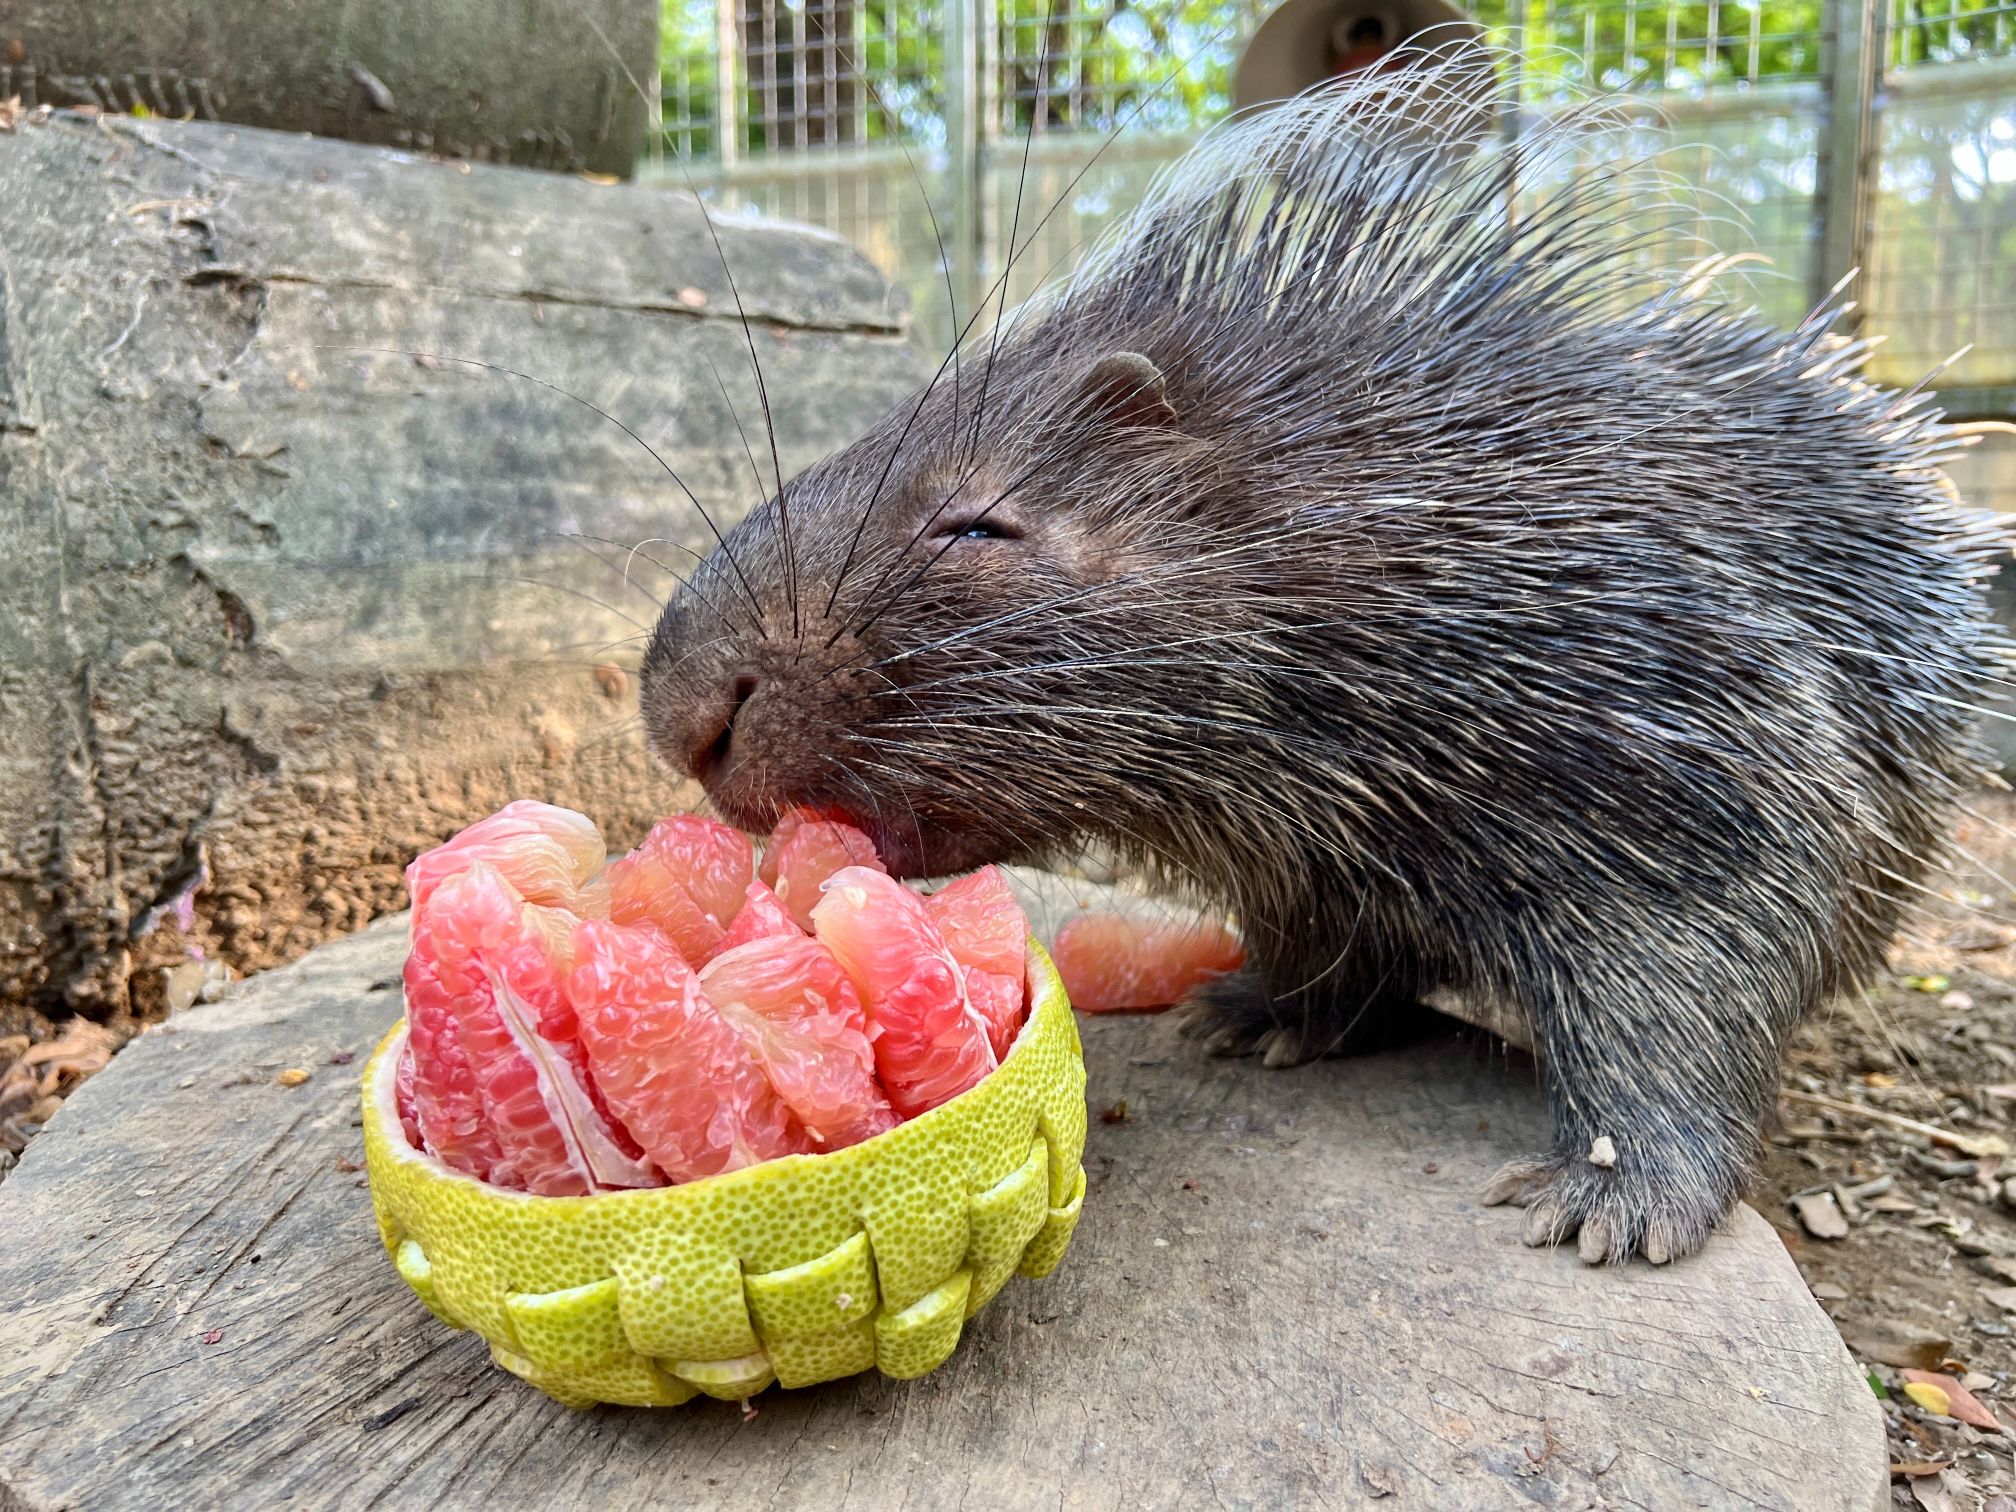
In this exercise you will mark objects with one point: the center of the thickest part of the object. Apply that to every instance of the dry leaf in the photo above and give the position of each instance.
(1935, 1493)
(293, 1076)
(1980, 934)
(1932, 1398)
(1918, 1467)
(1820, 1215)
(1896, 1344)
(1957, 1401)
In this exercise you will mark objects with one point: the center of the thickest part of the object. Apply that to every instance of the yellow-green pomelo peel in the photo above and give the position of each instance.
(799, 1270)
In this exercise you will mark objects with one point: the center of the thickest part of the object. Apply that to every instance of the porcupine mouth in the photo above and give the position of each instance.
(910, 848)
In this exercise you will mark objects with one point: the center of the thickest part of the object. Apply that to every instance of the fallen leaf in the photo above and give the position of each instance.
(1878, 1079)
(1932, 1398)
(213, 1336)
(1918, 1467)
(1928, 983)
(1957, 1401)
(1980, 934)
(1115, 1114)
(1895, 1344)
(1935, 1492)
(293, 1076)
(1820, 1215)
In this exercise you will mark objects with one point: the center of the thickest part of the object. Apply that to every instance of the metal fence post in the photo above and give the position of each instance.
(1852, 61)
(965, 164)
(727, 97)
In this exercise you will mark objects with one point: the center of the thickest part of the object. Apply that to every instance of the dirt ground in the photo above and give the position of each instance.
(1890, 1171)
(1896, 1122)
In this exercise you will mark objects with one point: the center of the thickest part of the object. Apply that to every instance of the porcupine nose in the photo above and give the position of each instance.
(712, 753)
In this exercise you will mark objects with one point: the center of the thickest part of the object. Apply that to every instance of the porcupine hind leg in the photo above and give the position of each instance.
(1658, 1075)
(1290, 1009)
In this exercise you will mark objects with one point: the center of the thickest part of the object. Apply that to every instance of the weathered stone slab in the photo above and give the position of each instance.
(280, 605)
(1281, 1295)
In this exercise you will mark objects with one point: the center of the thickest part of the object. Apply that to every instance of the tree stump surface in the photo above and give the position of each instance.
(1282, 1294)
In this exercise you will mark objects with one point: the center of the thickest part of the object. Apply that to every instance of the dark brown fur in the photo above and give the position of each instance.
(1391, 578)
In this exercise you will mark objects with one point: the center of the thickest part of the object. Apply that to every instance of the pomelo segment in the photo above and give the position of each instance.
(808, 848)
(403, 1089)
(550, 855)
(987, 934)
(486, 978)
(763, 917)
(687, 880)
(446, 1102)
(482, 969)
(801, 1016)
(681, 1079)
(930, 1042)
(1113, 963)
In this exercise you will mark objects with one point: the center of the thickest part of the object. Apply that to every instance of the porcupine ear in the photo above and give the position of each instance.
(1127, 389)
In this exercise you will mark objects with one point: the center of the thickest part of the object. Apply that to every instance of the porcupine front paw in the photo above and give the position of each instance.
(1633, 1205)
(1235, 1015)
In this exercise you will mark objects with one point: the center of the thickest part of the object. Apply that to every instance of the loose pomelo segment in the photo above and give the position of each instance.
(1113, 963)
(649, 1297)
(931, 1043)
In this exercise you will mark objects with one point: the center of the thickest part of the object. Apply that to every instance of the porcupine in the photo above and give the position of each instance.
(1374, 563)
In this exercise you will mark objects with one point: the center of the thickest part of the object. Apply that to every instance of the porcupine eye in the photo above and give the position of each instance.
(979, 530)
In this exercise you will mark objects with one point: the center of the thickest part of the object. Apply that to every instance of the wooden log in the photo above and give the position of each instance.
(288, 591)
(543, 83)
(1282, 1294)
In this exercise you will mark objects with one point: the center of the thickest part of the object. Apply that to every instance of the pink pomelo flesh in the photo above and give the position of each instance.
(687, 879)
(805, 852)
(1111, 963)
(680, 1077)
(762, 917)
(801, 1017)
(986, 932)
(550, 855)
(575, 1030)
(930, 1043)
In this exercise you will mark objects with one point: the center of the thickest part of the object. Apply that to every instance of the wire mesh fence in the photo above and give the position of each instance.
(936, 134)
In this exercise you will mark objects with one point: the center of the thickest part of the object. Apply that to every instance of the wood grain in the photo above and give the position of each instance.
(1281, 1295)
